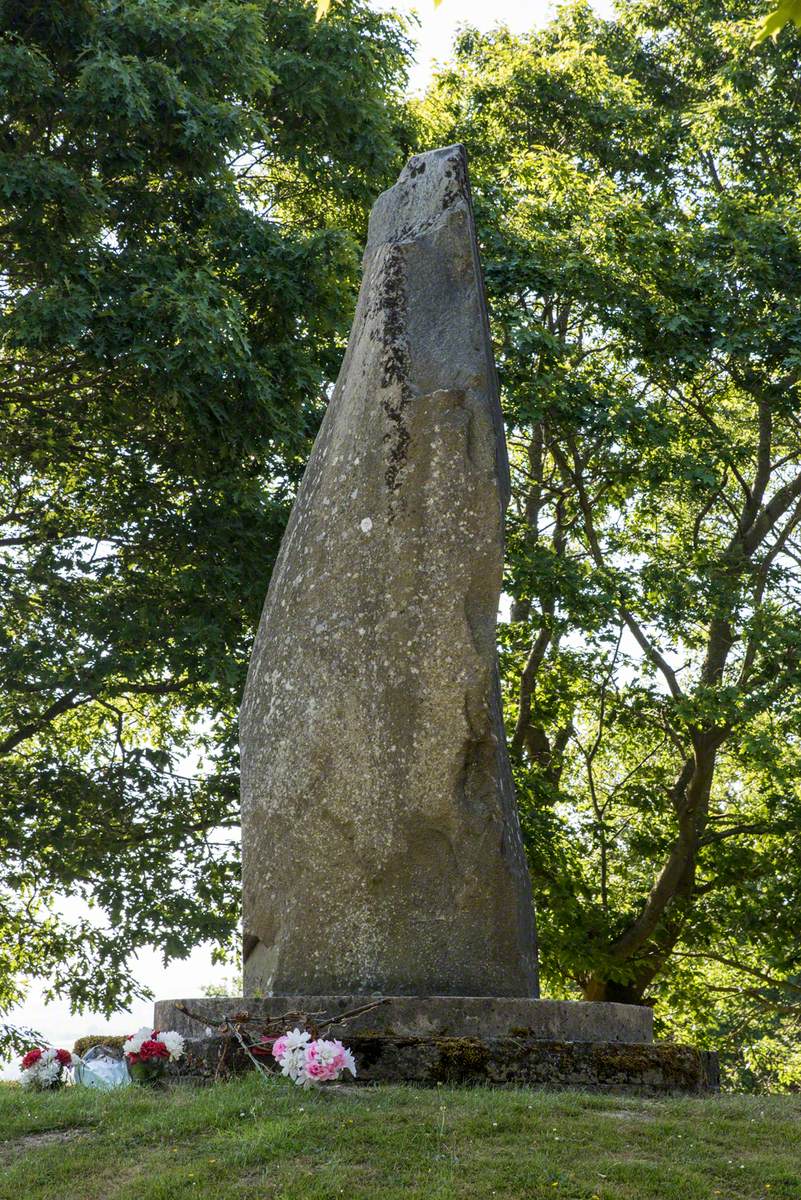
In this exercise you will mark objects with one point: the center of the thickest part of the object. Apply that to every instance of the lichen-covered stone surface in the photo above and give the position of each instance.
(651, 1069)
(654, 1069)
(381, 843)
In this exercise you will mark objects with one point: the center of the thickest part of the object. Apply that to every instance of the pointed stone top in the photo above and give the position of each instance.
(428, 185)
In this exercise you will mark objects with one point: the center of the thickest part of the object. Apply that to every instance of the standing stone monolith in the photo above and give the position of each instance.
(381, 843)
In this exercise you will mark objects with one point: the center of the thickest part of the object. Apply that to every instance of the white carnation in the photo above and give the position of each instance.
(44, 1073)
(296, 1039)
(174, 1043)
(49, 1072)
(326, 1052)
(293, 1063)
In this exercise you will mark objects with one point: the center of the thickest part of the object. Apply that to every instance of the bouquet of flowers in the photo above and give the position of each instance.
(149, 1050)
(43, 1069)
(309, 1061)
(304, 1055)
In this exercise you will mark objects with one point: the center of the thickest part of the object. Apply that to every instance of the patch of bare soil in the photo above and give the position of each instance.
(35, 1141)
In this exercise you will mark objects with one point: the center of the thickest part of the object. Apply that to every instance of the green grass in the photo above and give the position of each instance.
(249, 1139)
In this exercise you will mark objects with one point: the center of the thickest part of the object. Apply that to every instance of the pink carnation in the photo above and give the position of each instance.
(320, 1071)
(338, 1060)
(279, 1048)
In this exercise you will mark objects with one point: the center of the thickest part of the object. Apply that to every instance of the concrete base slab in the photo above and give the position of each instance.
(435, 1016)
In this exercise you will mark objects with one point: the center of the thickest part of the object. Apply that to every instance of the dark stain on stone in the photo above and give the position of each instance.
(680, 1066)
(392, 302)
(454, 191)
(370, 1049)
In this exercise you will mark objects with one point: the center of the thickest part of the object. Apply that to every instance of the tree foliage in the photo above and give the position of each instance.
(637, 185)
(788, 12)
(184, 185)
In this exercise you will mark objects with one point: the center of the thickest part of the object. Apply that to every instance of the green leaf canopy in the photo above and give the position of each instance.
(183, 187)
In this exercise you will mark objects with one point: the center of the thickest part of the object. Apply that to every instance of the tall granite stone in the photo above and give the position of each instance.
(381, 843)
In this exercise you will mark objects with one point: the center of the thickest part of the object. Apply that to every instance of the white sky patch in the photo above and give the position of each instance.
(434, 36)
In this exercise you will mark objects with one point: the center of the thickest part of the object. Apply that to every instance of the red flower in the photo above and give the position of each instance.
(64, 1057)
(153, 1049)
(30, 1058)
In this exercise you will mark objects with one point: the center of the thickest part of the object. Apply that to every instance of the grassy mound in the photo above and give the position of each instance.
(249, 1140)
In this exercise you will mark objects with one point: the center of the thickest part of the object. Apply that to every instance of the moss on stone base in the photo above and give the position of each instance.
(645, 1070)
(461, 1060)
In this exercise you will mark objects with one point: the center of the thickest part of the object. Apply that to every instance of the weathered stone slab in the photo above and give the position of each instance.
(643, 1070)
(656, 1069)
(381, 843)
(436, 1016)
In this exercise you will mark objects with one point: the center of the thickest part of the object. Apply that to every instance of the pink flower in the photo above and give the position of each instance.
(279, 1048)
(339, 1060)
(319, 1071)
(320, 1061)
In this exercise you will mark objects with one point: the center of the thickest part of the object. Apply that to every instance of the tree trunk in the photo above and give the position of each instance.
(643, 947)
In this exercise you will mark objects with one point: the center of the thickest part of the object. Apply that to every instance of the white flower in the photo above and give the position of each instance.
(49, 1073)
(293, 1063)
(296, 1038)
(134, 1043)
(44, 1073)
(350, 1062)
(174, 1043)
